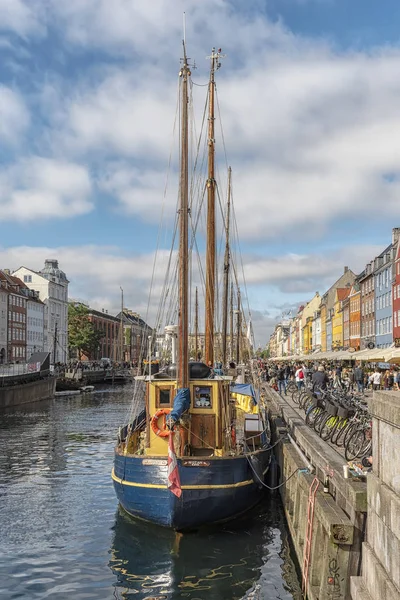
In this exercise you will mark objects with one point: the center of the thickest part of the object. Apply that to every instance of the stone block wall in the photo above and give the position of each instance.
(381, 552)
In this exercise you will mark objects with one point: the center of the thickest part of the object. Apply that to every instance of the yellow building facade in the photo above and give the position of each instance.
(306, 322)
(337, 319)
(323, 327)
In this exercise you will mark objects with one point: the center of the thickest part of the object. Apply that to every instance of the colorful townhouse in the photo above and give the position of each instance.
(367, 285)
(327, 308)
(346, 322)
(337, 317)
(16, 322)
(383, 265)
(355, 316)
(307, 322)
(396, 297)
(316, 331)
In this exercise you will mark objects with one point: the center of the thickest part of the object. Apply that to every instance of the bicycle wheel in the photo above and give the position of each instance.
(338, 434)
(355, 444)
(312, 414)
(327, 427)
(309, 403)
(349, 432)
(366, 449)
(319, 420)
(291, 387)
(303, 398)
(296, 395)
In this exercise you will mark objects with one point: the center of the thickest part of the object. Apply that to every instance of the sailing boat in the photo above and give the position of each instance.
(199, 452)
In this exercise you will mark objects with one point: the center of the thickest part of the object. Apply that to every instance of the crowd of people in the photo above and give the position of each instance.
(354, 377)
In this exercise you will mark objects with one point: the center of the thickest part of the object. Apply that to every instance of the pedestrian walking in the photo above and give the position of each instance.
(376, 379)
(281, 380)
(299, 376)
(359, 378)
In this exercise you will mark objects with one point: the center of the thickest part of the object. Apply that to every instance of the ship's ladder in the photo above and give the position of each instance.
(309, 534)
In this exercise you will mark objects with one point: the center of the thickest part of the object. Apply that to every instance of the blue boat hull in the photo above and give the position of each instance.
(213, 489)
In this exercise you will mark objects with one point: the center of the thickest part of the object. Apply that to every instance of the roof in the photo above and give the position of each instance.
(12, 281)
(132, 318)
(103, 315)
(342, 293)
(51, 268)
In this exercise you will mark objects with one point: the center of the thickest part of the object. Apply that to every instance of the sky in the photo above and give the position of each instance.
(309, 96)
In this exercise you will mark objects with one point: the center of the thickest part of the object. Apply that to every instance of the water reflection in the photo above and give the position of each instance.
(248, 558)
(58, 520)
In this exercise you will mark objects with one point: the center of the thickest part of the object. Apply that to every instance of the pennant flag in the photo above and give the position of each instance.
(174, 483)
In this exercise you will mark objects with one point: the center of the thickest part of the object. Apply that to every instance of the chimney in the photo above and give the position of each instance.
(346, 269)
(102, 310)
(395, 235)
(7, 271)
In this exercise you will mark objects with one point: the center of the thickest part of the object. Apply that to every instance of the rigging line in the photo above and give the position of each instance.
(200, 84)
(163, 205)
(221, 127)
(276, 487)
(198, 437)
(201, 137)
(241, 258)
(165, 284)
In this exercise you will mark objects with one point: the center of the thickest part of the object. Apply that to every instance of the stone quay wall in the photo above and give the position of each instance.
(380, 578)
(25, 393)
(339, 514)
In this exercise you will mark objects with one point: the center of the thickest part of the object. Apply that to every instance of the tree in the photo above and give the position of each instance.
(82, 334)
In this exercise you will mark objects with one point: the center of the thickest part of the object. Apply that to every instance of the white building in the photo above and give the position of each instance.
(316, 331)
(35, 321)
(3, 324)
(52, 285)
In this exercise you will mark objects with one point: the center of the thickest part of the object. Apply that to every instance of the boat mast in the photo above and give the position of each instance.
(226, 273)
(239, 328)
(211, 184)
(232, 333)
(183, 346)
(122, 324)
(196, 326)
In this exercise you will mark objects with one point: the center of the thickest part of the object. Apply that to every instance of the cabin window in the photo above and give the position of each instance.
(202, 396)
(164, 397)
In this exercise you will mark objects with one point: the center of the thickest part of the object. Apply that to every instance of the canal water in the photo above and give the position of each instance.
(62, 535)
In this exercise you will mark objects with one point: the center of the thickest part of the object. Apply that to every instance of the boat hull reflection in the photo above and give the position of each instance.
(228, 561)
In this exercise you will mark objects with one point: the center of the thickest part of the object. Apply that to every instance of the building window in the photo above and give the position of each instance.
(28, 278)
(163, 396)
(203, 396)
(395, 319)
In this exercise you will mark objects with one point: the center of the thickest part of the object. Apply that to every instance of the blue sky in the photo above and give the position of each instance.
(309, 94)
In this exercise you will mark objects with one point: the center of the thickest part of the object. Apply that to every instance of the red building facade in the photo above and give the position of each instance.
(16, 321)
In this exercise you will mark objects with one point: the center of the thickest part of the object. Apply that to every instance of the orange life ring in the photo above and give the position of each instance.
(162, 412)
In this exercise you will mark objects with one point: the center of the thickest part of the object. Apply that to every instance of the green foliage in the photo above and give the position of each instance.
(82, 334)
(265, 354)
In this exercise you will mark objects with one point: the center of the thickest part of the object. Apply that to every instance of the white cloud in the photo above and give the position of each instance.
(37, 188)
(139, 191)
(302, 272)
(309, 132)
(14, 116)
(96, 273)
(22, 18)
(124, 115)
